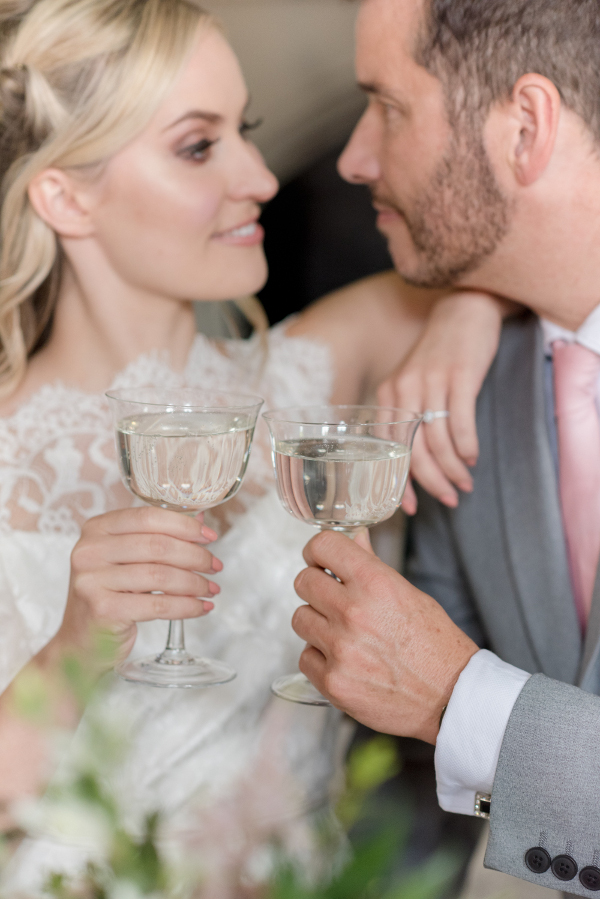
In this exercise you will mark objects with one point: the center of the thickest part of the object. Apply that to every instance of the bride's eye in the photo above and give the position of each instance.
(247, 127)
(198, 152)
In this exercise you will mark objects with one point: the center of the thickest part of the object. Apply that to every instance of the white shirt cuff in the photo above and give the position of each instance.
(468, 745)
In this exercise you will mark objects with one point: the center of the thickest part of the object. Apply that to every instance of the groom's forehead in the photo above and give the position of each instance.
(386, 37)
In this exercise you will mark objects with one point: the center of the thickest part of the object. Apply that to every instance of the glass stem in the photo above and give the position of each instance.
(176, 639)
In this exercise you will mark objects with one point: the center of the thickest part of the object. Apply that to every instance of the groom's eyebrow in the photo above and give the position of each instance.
(213, 118)
(382, 93)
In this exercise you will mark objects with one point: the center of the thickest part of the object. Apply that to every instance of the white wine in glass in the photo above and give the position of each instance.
(185, 450)
(339, 468)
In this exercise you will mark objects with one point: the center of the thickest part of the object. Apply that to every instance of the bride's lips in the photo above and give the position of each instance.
(247, 234)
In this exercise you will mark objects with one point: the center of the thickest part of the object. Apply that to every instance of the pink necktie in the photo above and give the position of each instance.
(576, 373)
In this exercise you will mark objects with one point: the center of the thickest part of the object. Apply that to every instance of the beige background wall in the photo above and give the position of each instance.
(297, 56)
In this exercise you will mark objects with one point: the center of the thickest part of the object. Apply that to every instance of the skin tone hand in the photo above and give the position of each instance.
(120, 561)
(445, 371)
(378, 648)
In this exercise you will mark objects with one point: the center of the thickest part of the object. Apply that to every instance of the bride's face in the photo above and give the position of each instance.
(176, 211)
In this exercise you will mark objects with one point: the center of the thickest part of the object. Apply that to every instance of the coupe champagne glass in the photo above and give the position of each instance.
(186, 450)
(338, 468)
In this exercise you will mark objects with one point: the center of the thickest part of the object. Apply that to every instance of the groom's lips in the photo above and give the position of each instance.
(386, 215)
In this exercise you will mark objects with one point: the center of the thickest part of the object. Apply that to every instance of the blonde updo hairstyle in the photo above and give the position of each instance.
(79, 79)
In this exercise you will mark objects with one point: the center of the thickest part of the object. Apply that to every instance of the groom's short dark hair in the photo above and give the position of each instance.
(480, 48)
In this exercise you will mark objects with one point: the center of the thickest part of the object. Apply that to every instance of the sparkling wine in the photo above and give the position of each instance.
(341, 482)
(185, 461)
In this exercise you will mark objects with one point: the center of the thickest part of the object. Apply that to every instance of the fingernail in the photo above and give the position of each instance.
(472, 462)
(450, 499)
(214, 588)
(466, 486)
(217, 565)
(208, 606)
(209, 534)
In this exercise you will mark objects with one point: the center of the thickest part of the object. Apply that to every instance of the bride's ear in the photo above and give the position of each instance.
(58, 200)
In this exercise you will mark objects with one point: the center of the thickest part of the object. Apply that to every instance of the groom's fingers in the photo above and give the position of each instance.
(313, 665)
(313, 628)
(337, 553)
(319, 590)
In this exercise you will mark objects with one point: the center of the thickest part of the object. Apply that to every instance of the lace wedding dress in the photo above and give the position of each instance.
(57, 469)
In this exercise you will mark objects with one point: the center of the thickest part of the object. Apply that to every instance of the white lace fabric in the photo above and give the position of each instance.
(58, 468)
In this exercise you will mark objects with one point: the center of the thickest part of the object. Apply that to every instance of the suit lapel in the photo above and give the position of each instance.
(530, 510)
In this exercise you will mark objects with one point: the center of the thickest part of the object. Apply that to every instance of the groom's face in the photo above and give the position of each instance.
(434, 188)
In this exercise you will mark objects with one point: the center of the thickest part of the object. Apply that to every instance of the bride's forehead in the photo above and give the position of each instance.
(211, 79)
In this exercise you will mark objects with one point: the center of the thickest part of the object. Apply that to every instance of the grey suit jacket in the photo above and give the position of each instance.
(498, 565)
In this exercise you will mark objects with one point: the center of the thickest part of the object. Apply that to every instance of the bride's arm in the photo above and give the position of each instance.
(370, 327)
(427, 350)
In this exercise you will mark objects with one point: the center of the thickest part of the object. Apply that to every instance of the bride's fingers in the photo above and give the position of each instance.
(130, 548)
(438, 437)
(147, 578)
(140, 607)
(386, 394)
(409, 501)
(149, 520)
(442, 449)
(463, 423)
(428, 473)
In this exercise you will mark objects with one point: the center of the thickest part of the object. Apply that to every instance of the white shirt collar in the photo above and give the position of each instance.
(587, 335)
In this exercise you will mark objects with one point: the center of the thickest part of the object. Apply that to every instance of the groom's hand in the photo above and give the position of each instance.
(379, 649)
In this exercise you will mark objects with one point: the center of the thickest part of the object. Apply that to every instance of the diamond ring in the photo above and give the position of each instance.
(429, 416)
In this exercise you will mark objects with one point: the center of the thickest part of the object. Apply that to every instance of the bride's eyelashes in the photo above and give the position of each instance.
(247, 127)
(199, 151)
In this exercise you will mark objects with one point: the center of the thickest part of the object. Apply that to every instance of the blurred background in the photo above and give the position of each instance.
(297, 56)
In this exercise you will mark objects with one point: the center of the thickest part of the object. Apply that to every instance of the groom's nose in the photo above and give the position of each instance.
(359, 163)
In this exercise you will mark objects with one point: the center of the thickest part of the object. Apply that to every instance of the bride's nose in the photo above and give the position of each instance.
(252, 179)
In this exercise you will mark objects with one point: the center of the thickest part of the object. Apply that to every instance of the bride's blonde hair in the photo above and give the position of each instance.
(78, 80)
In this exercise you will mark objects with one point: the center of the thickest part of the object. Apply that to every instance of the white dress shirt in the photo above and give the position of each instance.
(471, 735)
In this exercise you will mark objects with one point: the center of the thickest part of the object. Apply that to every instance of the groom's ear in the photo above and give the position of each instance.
(528, 125)
(58, 199)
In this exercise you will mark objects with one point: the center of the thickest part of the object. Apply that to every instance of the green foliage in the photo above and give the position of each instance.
(368, 767)
(31, 697)
(378, 834)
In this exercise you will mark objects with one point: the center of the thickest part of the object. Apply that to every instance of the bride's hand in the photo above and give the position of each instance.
(120, 560)
(444, 372)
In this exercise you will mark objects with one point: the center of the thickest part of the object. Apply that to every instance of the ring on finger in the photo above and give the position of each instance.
(429, 415)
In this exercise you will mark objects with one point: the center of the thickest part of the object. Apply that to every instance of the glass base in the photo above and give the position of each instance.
(298, 688)
(176, 669)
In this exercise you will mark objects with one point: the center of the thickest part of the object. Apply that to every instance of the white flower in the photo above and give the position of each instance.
(69, 820)
(125, 889)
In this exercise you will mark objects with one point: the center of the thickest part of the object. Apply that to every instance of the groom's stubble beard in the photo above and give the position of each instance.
(458, 221)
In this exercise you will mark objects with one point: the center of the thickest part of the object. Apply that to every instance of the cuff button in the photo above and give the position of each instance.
(537, 860)
(564, 867)
(590, 878)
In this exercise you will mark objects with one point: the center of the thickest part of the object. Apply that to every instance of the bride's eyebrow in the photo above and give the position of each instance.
(213, 118)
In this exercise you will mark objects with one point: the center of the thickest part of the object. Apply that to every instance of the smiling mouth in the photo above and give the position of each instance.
(246, 230)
